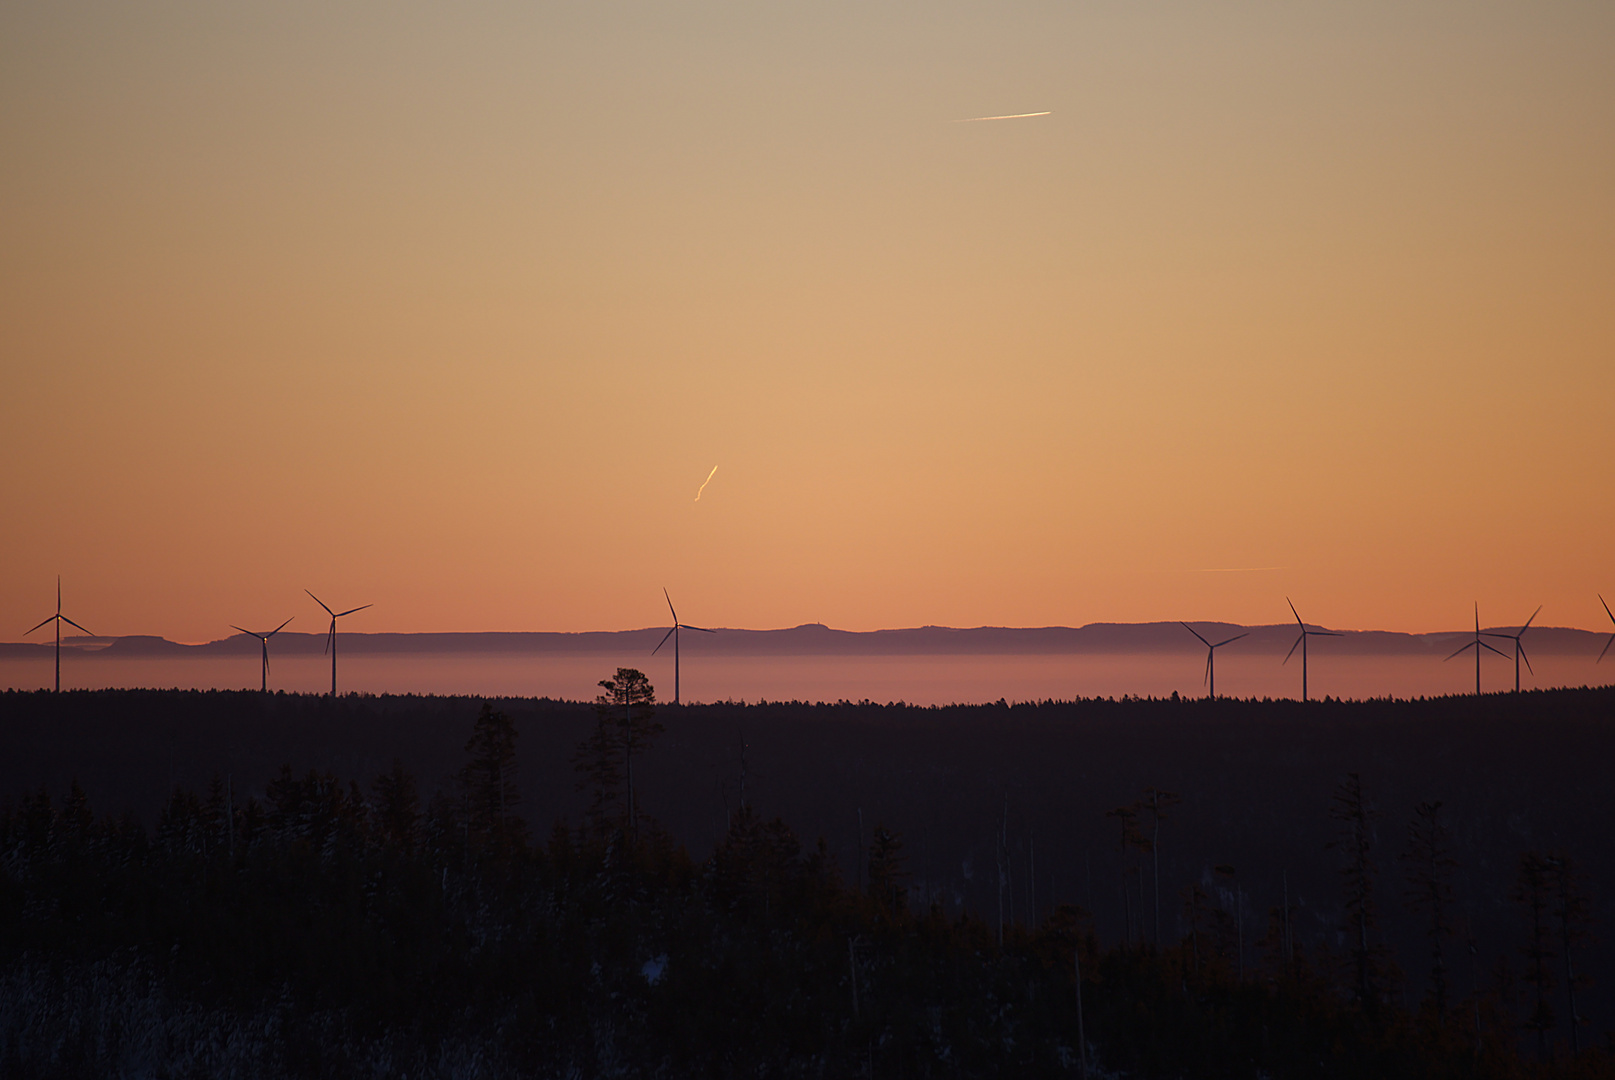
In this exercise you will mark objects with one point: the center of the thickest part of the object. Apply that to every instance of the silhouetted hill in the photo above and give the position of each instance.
(815, 639)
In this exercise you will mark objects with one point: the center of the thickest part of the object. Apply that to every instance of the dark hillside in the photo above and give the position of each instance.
(970, 789)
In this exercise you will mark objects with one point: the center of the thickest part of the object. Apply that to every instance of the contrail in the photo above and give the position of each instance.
(1236, 569)
(1011, 116)
(704, 483)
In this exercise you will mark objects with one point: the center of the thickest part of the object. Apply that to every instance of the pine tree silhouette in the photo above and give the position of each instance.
(488, 782)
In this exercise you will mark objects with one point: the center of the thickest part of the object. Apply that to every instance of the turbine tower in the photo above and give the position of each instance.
(1519, 647)
(263, 639)
(1478, 645)
(1211, 657)
(330, 637)
(59, 619)
(674, 634)
(1301, 643)
(1611, 615)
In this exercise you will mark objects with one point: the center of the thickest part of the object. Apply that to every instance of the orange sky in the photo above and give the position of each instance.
(450, 309)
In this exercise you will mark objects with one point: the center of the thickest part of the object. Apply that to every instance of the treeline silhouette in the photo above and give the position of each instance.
(399, 924)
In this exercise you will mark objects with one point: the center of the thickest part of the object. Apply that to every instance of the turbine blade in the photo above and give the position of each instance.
(1488, 646)
(1607, 644)
(665, 636)
(1227, 641)
(1524, 656)
(1532, 619)
(70, 622)
(1511, 637)
(351, 610)
(1294, 647)
(249, 633)
(703, 629)
(1294, 612)
(279, 628)
(45, 623)
(1205, 680)
(1608, 612)
(1466, 647)
(330, 635)
(670, 605)
(1324, 633)
(1193, 631)
(320, 602)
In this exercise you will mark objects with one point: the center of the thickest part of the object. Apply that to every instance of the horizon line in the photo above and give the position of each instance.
(1463, 631)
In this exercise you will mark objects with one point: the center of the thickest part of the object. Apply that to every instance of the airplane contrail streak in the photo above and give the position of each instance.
(1011, 116)
(705, 482)
(1236, 569)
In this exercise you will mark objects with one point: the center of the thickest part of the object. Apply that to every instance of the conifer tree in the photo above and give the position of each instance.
(628, 704)
(598, 762)
(1429, 861)
(888, 872)
(1128, 817)
(1534, 890)
(1157, 802)
(1572, 911)
(1356, 843)
(75, 818)
(398, 807)
(488, 781)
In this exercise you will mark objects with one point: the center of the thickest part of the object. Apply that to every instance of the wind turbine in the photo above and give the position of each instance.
(1611, 615)
(674, 634)
(1478, 645)
(1301, 642)
(59, 619)
(330, 637)
(263, 639)
(1519, 647)
(1211, 657)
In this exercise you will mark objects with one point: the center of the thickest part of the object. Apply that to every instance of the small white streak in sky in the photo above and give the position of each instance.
(705, 482)
(1011, 116)
(1236, 569)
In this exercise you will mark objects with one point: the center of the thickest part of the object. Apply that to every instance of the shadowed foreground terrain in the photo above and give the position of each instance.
(196, 883)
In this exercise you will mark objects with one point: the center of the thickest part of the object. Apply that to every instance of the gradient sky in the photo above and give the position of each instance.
(451, 308)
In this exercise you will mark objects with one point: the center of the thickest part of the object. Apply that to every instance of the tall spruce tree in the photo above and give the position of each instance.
(598, 762)
(1572, 910)
(1534, 891)
(488, 783)
(1429, 862)
(1356, 844)
(888, 872)
(398, 807)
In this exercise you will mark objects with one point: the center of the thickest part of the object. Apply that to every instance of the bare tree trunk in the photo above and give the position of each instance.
(852, 970)
(1155, 854)
(1001, 843)
(858, 874)
(1031, 874)
(1082, 1037)
(1289, 945)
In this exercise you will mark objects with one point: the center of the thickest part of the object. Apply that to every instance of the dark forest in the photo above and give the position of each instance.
(246, 884)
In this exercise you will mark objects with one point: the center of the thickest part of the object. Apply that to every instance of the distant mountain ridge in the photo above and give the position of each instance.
(816, 639)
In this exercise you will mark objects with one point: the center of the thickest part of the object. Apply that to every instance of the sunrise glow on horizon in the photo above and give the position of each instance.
(450, 311)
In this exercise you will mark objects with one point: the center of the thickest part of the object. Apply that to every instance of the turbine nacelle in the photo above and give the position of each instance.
(263, 640)
(1519, 645)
